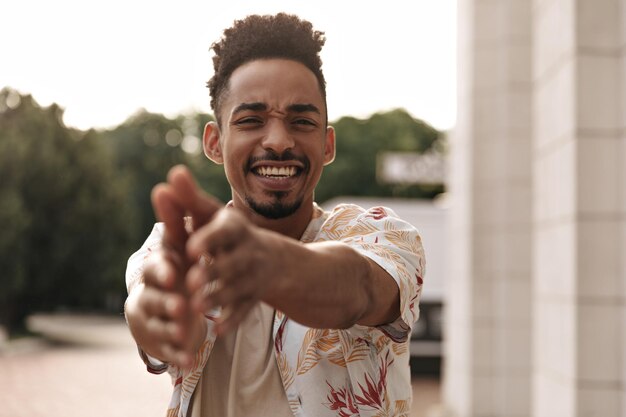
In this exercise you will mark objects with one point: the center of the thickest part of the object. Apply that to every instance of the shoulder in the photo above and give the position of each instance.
(356, 211)
(347, 216)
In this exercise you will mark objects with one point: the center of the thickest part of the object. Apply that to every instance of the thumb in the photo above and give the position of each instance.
(169, 210)
(201, 206)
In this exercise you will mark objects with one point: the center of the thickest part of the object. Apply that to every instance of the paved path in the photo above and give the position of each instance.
(82, 379)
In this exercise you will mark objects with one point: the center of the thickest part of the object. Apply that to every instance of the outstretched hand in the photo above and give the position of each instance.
(216, 232)
(159, 311)
(225, 252)
(244, 268)
(220, 259)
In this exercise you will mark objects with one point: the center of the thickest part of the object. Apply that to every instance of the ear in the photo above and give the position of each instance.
(211, 143)
(329, 146)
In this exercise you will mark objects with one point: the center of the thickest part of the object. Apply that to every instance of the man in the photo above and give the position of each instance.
(271, 306)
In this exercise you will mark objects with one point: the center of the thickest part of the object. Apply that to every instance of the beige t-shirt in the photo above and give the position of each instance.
(241, 377)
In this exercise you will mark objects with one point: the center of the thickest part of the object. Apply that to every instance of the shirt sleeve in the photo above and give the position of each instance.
(395, 246)
(134, 267)
(134, 276)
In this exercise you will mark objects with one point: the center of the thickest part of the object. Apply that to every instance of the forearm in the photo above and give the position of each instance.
(330, 285)
(322, 285)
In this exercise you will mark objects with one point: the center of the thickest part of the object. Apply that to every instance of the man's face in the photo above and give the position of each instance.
(273, 139)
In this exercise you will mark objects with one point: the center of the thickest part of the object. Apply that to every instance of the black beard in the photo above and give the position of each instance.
(275, 210)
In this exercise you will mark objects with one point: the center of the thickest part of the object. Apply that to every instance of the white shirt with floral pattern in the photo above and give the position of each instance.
(359, 371)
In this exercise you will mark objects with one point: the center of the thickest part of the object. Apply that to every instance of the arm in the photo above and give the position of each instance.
(339, 286)
(324, 285)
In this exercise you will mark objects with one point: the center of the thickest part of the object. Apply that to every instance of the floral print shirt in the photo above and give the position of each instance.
(359, 371)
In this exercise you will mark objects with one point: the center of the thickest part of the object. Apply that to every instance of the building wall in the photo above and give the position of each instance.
(536, 322)
(621, 186)
(578, 208)
(488, 315)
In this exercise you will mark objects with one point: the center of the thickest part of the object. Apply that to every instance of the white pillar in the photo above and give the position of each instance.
(488, 323)
(620, 188)
(579, 289)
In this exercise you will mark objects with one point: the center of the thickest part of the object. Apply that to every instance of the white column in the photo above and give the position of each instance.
(621, 185)
(579, 208)
(488, 322)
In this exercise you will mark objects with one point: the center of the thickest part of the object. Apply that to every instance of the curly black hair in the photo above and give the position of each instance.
(261, 37)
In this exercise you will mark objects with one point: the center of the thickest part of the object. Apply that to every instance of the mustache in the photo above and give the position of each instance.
(273, 156)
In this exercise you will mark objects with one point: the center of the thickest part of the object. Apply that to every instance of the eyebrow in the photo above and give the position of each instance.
(250, 107)
(303, 108)
(258, 106)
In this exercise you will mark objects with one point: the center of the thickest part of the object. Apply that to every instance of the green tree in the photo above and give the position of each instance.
(146, 146)
(74, 205)
(359, 142)
(62, 216)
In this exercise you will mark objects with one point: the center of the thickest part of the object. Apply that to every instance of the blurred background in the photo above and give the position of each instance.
(515, 178)
(97, 103)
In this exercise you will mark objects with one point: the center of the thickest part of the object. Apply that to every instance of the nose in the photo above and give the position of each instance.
(277, 138)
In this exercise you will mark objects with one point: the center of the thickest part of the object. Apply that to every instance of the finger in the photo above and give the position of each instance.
(230, 294)
(198, 276)
(181, 336)
(234, 315)
(164, 331)
(225, 280)
(160, 271)
(176, 356)
(234, 265)
(170, 340)
(155, 303)
(227, 229)
(168, 353)
(169, 210)
(201, 206)
(200, 299)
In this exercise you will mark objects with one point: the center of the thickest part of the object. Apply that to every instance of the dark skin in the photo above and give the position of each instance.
(253, 259)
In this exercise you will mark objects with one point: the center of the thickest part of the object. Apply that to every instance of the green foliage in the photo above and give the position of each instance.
(74, 205)
(62, 214)
(145, 147)
(359, 142)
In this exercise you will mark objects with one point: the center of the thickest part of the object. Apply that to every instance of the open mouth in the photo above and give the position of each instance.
(276, 172)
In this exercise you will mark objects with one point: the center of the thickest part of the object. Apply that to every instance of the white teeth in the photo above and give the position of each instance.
(276, 172)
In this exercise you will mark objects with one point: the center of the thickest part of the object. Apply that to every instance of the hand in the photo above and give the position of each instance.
(239, 258)
(159, 312)
(245, 266)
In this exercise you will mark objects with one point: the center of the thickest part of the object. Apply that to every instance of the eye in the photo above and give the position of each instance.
(304, 122)
(248, 122)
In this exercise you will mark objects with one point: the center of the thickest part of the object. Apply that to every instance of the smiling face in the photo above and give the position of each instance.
(273, 139)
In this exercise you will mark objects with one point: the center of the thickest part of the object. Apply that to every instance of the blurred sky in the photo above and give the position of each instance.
(103, 60)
